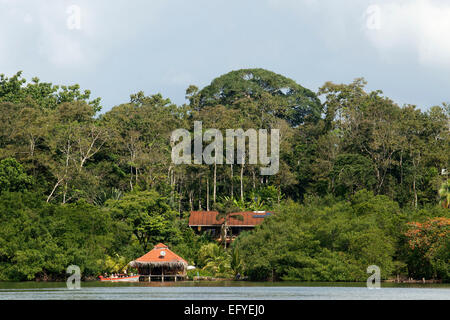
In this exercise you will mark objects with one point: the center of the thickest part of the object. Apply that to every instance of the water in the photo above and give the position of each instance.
(221, 291)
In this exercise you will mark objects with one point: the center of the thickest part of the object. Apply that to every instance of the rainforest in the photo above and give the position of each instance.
(362, 181)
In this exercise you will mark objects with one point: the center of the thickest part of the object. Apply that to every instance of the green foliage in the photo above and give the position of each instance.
(199, 273)
(444, 194)
(189, 244)
(352, 172)
(236, 263)
(332, 243)
(261, 199)
(148, 215)
(103, 196)
(215, 260)
(41, 94)
(282, 97)
(100, 191)
(40, 240)
(12, 176)
(428, 248)
(115, 264)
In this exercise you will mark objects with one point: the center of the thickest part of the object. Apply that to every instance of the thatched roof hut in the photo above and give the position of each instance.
(160, 260)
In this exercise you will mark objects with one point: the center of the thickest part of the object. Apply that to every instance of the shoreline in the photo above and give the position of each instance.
(204, 279)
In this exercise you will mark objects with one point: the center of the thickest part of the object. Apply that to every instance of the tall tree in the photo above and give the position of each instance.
(284, 97)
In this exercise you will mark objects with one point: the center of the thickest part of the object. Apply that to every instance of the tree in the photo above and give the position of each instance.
(351, 173)
(76, 139)
(236, 264)
(282, 96)
(39, 240)
(367, 123)
(141, 132)
(320, 241)
(148, 215)
(215, 260)
(12, 176)
(226, 211)
(44, 95)
(429, 245)
(444, 194)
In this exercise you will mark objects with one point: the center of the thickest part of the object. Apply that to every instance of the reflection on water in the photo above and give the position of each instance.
(220, 291)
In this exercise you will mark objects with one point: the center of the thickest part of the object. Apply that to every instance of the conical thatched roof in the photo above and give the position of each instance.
(160, 256)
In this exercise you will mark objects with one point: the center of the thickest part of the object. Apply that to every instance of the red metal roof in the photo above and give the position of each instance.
(155, 255)
(208, 218)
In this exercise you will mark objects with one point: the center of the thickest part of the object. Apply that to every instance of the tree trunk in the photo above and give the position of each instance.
(207, 194)
(415, 191)
(279, 193)
(54, 189)
(179, 203)
(200, 194)
(232, 184)
(131, 178)
(401, 168)
(242, 182)
(215, 182)
(254, 178)
(137, 176)
(65, 193)
(225, 231)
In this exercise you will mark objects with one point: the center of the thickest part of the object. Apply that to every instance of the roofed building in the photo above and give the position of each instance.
(160, 263)
(206, 221)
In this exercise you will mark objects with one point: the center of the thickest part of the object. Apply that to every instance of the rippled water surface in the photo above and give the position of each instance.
(220, 291)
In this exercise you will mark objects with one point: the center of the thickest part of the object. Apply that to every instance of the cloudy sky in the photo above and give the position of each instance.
(116, 48)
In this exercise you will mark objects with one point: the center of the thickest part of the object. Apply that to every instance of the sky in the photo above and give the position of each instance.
(118, 47)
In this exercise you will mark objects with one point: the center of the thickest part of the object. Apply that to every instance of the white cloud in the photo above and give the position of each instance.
(421, 27)
(163, 46)
(40, 30)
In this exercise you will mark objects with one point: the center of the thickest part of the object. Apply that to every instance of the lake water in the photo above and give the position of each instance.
(221, 291)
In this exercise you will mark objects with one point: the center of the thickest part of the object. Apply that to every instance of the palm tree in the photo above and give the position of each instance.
(217, 260)
(226, 212)
(444, 194)
(236, 263)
